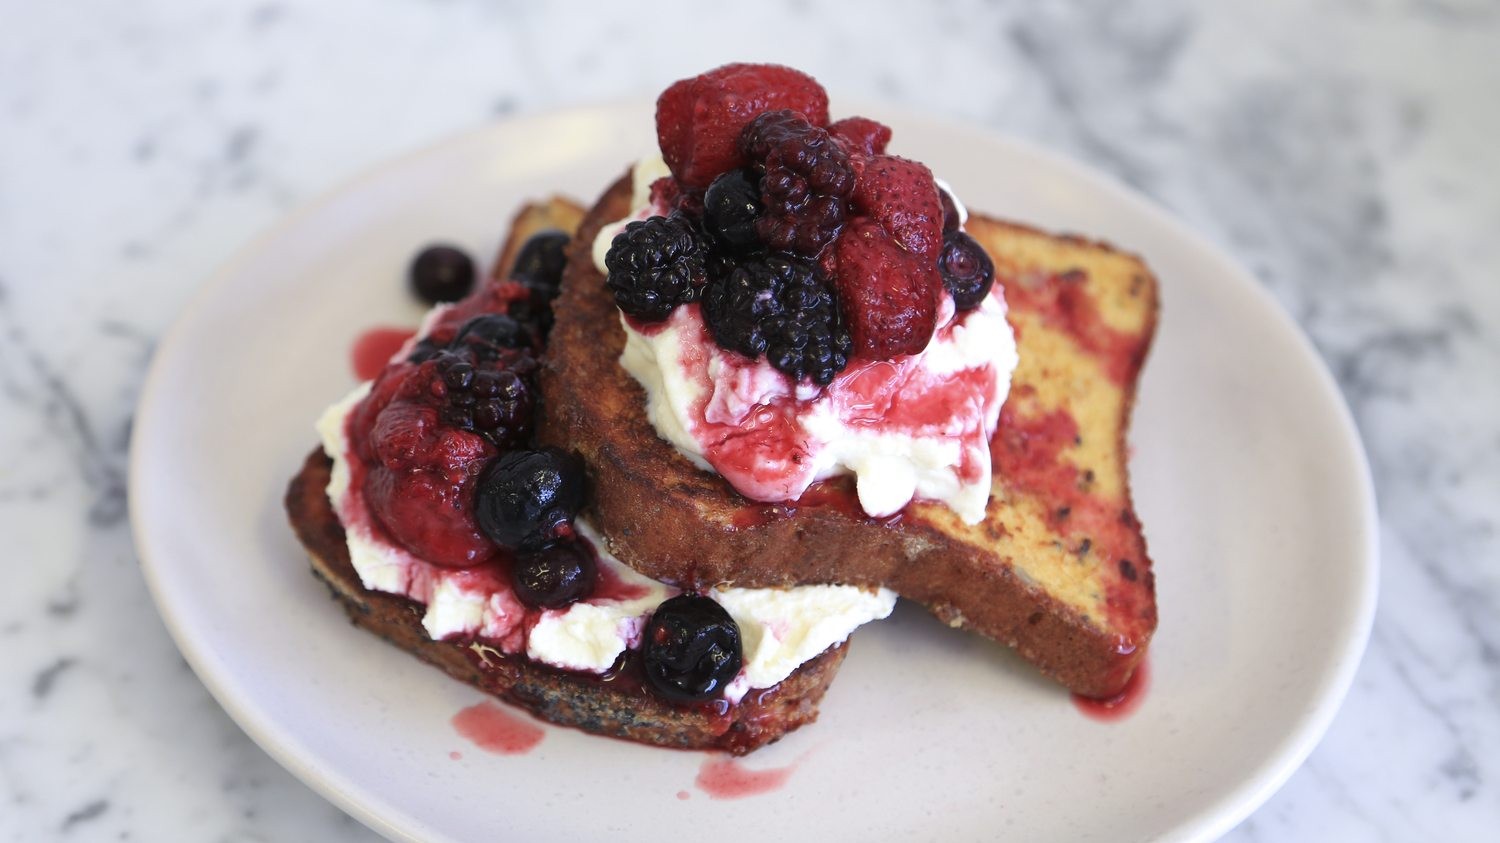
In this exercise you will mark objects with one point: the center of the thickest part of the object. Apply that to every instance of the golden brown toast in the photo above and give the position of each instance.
(620, 707)
(1057, 569)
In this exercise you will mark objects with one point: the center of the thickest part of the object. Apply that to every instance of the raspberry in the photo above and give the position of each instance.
(699, 120)
(902, 196)
(967, 270)
(807, 179)
(781, 308)
(656, 264)
(890, 296)
(861, 135)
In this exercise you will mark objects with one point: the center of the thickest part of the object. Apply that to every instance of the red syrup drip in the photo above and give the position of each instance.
(1122, 705)
(725, 778)
(374, 348)
(493, 729)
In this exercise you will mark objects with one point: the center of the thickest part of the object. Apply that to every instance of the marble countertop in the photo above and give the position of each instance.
(1344, 151)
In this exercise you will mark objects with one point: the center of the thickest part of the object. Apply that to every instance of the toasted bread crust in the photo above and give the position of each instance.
(568, 699)
(675, 522)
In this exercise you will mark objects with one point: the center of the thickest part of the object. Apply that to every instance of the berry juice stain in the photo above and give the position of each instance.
(493, 729)
(374, 348)
(725, 778)
(1121, 705)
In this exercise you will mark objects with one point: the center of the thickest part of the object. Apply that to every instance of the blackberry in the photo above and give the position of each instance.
(967, 270)
(781, 308)
(730, 209)
(691, 649)
(527, 499)
(441, 274)
(806, 184)
(492, 397)
(656, 264)
(539, 264)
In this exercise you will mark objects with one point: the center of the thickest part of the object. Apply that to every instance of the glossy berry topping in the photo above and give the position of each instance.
(691, 649)
(861, 135)
(540, 262)
(486, 395)
(951, 219)
(656, 264)
(441, 274)
(491, 335)
(806, 181)
(527, 499)
(730, 209)
(699, 120)
(779, 307)
(889, 295)
(967, 270)
(901, 195)
(556, 575)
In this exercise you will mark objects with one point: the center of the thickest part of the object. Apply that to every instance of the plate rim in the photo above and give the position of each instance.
(1220, 816)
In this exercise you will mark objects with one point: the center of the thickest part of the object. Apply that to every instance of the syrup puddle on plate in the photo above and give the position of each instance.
(722, 777)
(1121, 705)
(374, 347)
(493, 729)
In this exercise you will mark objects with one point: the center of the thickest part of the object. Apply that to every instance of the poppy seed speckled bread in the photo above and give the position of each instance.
(617, 707)
(1057, 568)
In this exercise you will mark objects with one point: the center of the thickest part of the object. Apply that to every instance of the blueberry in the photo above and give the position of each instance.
(488, 334)
(555, 576)
(692, 649)
(950, 211)
(731, 207)
(967, 270)
(442, 274)
(526, 499)
(541, 260)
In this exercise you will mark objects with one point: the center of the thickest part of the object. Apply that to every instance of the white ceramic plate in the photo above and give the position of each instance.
(1247, 472)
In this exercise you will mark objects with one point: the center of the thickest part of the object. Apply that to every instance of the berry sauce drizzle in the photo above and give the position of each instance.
(374, 348)
(493, 729)
(726, 778)
(1121, 705)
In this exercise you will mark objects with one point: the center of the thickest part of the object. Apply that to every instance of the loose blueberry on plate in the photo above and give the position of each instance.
(442, 273)
(527, 499)
(555, 576)
(692, 649)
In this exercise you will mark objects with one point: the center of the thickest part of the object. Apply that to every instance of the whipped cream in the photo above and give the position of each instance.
(780, 628)
(917, 426)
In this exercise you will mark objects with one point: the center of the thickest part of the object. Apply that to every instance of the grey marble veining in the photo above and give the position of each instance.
(1343, 150)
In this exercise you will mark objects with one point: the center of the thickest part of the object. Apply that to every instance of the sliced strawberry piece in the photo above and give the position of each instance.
(889, 295)
(699, 120)
(901, 194)
(861, 135)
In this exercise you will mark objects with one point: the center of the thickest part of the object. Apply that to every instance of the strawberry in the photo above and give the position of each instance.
(699, 120)
(889, 295)
(861, 135)
(901, 194)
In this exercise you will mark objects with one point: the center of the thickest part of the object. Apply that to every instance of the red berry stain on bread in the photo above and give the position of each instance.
(1121, 705)
(726, 778)
(1064, 303)
(374, 348)
(493, 729)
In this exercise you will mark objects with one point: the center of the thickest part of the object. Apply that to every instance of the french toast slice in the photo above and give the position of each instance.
(620, 707)
(1058, 567)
